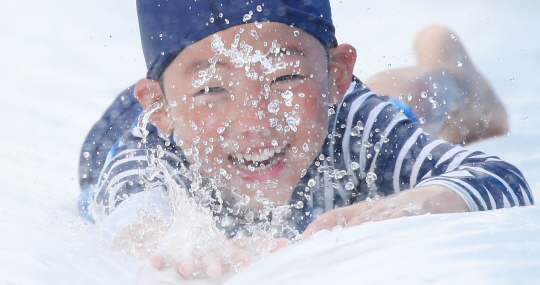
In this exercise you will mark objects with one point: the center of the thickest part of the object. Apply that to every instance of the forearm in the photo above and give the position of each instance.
(435, 199)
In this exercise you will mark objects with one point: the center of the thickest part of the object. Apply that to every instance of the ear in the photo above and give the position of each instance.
(148, 91)
(342, 60)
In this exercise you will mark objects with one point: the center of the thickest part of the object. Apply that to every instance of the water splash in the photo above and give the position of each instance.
(241, 54)
(203, 214)
(144, 119)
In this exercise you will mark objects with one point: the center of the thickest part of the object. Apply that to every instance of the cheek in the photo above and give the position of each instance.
(313, 127)
(200, 131)
(202, 122)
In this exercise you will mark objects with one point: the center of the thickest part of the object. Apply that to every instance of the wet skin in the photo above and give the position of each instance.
(226, 123)
(200, 114)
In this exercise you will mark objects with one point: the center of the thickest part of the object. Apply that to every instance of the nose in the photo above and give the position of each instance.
(251, 115)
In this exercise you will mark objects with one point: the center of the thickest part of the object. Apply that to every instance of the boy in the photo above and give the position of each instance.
(258, 94)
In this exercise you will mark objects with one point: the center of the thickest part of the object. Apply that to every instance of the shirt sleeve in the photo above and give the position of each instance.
(389, 153)
(127, 173)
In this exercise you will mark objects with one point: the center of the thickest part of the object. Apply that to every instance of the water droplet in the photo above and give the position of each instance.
(86, 154)
(160, 152)
(422, 120)
(356, 131)
(338, 174)
(305, 147)
(355, 165)
(299, 205)
(430, 156)
(409, 97)
(246, 17)
(331, 111)
(296, 33)
(273, 107)
(367, 144)
(369, 201)
(423, 94)
(459, 63)
(150, 173)
(349, 186)
(292, 123)
(323, 169)
(259, 8)
(288, 96)
(371, 177)
(311, 182)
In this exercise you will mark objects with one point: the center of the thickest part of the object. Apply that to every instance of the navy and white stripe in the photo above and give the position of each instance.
(403, 156)
(391, 147)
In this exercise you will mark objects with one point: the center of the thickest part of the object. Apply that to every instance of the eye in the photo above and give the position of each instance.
(210, 90)
(286, 78)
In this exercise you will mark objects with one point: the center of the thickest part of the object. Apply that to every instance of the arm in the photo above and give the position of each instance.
(393, 154)
(132, 208)
(434, 199)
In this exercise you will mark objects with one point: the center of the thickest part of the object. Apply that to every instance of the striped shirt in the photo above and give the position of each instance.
(372, 149)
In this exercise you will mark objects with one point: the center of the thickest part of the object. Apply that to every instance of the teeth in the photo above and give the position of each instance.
(262, 155)
(258, 156)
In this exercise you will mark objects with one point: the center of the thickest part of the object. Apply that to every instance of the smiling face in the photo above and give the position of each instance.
(250, 104)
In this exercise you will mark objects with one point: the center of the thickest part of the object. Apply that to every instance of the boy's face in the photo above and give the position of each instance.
(253, 112)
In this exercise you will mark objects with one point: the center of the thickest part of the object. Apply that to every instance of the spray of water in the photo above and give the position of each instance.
(210, 216)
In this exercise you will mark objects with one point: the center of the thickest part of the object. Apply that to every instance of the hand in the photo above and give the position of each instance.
(416, 201)
(211, 265)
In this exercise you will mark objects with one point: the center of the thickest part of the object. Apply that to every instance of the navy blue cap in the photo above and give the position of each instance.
(168, 26)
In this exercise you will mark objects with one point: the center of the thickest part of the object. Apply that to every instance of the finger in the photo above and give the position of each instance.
(383, 215)
(359, 220)
(327, 221)
(186, 269)
(242, 256)
(375, 214)
(279, 243)
(214, 270)
(212, 265)
(157, 261)
(407, 212)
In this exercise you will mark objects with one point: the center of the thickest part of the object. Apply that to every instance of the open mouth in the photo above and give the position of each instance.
(259, 160)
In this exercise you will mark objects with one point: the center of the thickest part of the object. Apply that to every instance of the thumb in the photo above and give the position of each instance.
(327, 221)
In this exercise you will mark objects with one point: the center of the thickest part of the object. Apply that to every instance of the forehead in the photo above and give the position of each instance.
(260, 36)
